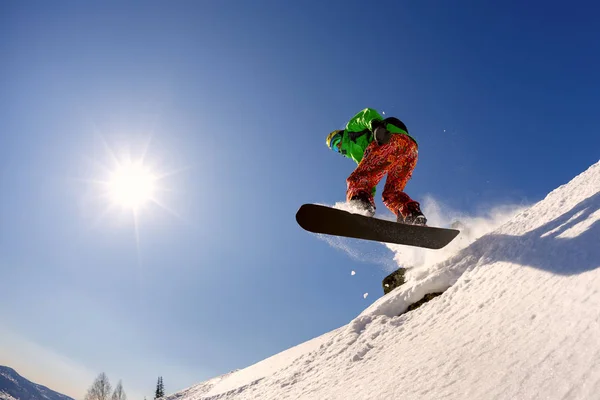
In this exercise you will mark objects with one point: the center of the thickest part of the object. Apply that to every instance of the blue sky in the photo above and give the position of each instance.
(233, 100)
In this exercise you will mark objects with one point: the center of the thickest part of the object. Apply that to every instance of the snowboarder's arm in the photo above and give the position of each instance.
(358, 134)
(354, 149)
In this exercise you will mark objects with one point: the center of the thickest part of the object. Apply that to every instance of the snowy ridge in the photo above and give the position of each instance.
(13, 386)
(8, 377)
(519, 318)
(6, 396)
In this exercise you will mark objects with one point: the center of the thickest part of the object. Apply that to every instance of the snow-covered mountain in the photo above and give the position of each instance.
(14, 387)
(519, 319)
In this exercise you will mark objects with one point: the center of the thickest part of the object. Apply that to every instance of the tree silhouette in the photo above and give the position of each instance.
(160, 389)
(100, 389)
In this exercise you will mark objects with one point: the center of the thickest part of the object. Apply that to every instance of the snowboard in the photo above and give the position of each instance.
(331, 221)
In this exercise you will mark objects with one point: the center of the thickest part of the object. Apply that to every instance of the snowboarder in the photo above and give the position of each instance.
(379, 147)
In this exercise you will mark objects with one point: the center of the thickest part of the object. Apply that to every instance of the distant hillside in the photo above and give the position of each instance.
(14, 387)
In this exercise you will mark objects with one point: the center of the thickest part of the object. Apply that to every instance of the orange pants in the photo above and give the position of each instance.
(397, 159)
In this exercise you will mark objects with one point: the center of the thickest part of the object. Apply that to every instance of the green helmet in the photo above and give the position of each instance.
(334, 139)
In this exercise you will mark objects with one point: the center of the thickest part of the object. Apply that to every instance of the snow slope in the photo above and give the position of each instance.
(519, 319)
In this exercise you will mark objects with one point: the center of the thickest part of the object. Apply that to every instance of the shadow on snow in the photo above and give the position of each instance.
(542, 248)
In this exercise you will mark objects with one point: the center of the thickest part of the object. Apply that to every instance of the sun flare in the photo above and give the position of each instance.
(131, 185)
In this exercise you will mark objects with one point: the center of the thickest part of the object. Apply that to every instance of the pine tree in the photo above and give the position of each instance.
(160, 389)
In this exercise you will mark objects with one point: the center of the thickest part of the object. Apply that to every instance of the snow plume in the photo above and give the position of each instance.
(359, 250)
(471, 228)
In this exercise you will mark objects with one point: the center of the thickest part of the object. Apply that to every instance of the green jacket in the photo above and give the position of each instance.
(359, 133)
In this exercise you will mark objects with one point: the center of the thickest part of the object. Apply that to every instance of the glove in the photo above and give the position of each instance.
(380, 134)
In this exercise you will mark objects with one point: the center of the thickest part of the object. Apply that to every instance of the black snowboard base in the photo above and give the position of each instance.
(331, 221)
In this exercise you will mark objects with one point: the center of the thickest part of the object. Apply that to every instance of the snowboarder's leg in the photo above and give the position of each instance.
(366, 176)
(405, 159)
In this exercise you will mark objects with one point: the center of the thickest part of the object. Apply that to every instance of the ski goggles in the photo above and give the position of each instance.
(334, 141)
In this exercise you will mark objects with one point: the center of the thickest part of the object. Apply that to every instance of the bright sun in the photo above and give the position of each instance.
(131, 185)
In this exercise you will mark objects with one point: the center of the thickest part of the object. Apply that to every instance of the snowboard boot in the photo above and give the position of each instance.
(364, 203)
(411, 214)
